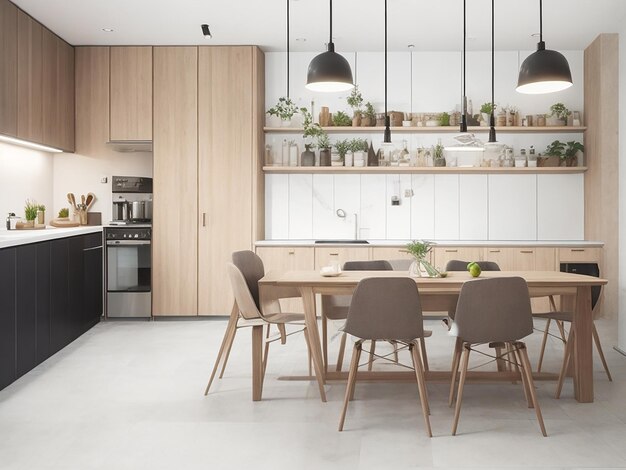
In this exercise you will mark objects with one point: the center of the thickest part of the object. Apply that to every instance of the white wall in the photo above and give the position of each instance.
(622, 193)
(24, 174)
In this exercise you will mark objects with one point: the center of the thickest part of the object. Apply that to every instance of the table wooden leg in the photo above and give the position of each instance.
(257, 362)
(310, 319)
(583, 360)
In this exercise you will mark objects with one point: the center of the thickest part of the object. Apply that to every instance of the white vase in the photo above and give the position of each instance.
(285, 122)
(349, 158)
(293, 155)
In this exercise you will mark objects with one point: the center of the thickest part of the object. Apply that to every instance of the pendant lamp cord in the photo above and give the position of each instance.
(287, 48)
(540, 20)
(331, 22)
(385, 58)
(492, 57)
(464, 45)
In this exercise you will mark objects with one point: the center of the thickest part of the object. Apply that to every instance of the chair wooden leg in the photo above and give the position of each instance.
(395, 351)
(518, 359)
(232, 324)
(459, 396)
(372, 351)
(342, 351)
(543, 344)
(231, 339)
(283, 333)
(354, 365)
(325, 342)
(596, 339)
(510, 360)
(419, 373)
(424, 355)
(531, 386)
(266, 350)
(456, 358)
(569, 347)
(500, 363)
(559, 324)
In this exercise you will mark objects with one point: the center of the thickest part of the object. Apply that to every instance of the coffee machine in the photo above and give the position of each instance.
(132, 200)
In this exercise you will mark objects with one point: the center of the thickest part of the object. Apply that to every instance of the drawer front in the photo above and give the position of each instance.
(580, 255)
(327, 255)
(463, 253)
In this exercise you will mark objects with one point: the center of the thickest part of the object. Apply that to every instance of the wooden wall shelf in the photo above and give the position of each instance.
(420, 170)
(439, 129)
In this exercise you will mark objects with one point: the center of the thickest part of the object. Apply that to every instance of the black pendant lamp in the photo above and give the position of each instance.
(387, 136)
(329, 71)
(463, 127)
(544, 71)
(492, 118)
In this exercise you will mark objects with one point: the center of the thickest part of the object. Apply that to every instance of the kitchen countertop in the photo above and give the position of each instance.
(9, 238)
(400, 243)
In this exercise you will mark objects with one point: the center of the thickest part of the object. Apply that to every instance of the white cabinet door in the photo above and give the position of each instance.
(512, 207)
(561, 207)
(473, 207)
(324, 218)
(373, 223)
(276, 207)
(347, 190)
(423, 207)
(300, 206)
(447, 207)
(398, 215)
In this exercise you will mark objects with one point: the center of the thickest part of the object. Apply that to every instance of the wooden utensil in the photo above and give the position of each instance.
(71, 199)
(91, 198)
(82, 199)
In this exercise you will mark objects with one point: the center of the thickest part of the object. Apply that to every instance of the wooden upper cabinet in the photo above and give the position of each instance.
(8, 68)
(30, 78)
(131, 93)
(58, 92)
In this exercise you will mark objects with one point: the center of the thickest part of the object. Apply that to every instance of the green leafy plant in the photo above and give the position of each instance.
(64, 213)
(419, 250)
(487, 108)
(359, 145)
(438, 151)
(573, 148)
(341, 119)
(559, 111)
(355, 100)
(369, 111)
(311, 129)
(41, 207)
(342, 147)
(444, 119)
(323, 142)
(556, 149)
(285, 109)
(30, 210)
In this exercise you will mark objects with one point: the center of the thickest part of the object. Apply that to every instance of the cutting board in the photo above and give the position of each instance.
(64, 223)
(23, 226)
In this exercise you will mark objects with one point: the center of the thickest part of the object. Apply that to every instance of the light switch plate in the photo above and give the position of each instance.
(104, 180)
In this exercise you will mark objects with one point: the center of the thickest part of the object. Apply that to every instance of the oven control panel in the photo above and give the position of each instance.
(128, 233)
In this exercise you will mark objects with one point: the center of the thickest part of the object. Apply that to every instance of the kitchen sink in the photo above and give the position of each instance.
(341, 242)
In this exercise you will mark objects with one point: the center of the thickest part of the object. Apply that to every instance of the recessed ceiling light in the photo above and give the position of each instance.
(301, 39)
(108, 30)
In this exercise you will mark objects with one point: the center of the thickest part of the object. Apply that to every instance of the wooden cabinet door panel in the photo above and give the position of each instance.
(175, 223)
(580, 255)
(8, 68)
(30, 78)
(131, 93)
(326, 255)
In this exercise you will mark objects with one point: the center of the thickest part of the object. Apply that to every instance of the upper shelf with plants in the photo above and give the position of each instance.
(434, 129)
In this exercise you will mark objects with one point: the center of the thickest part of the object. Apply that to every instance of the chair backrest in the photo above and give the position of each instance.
(375, 265)
(385, 308)
(401, 264)
(457, 265)
(243, 296)
(491, 310)
(251, 266)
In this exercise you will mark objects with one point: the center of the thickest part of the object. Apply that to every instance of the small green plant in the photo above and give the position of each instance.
(30, 210)
(556, 149)
(419, 250)
(369, 111)
(64, 213)
(573, 148)
(285, 108)
(487, 108)
(311, 129)
(323, 142)
(438, 151)
(559, 111)
(341, 119)
(444, 119)
(359, 145)
(342, 147)
(41, 207)
(355, 100)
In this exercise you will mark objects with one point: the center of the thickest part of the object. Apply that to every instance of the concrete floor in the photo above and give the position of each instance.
(129, 395)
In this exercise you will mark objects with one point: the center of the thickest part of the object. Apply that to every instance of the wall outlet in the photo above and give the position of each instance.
(104, 180)
(408, 193)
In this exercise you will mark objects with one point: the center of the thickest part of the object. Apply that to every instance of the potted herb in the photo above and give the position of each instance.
(343, 149)
(570, 155)
(444, 119)
(438, 158)
(30, 212)
(553, 154)
(355, 101)
(41, 214)
(558, 115)
(284, 109)
(359, 149)
(312, 130)
(511, 117)
(341, 119)
(485, 111)
(323, 143)
(421, 267)
(368, 117)
(64, 213)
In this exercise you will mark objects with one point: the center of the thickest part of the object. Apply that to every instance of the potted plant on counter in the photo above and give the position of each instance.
(421, 267)
(570, 155)
(30, 213)
(355, 101)
(284, 109)
(558, 115)
(552, 155)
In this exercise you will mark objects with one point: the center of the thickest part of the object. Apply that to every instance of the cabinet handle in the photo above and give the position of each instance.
(452, 251)
(494, 251)
(527, 251)
(292, 252)
(334, 254)
(204, 219)
(578, 249)
(93, 248)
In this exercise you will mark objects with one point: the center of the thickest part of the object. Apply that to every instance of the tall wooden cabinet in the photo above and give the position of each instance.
(30, 78)
(131, 93)
(8, 68)
(175, 222)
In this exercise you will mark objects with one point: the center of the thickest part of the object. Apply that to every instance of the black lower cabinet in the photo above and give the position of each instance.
(50, 294)
(7, 317)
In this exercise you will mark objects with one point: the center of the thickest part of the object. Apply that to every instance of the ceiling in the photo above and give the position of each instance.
(357, 26)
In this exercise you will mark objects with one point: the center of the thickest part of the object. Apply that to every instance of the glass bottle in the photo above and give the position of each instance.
(285, 153)
(404, 154)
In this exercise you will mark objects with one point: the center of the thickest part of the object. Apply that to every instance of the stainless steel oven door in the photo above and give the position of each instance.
(129, 274)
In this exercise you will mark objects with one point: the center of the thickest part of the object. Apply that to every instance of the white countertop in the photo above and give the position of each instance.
(9, 238)
(392, 243)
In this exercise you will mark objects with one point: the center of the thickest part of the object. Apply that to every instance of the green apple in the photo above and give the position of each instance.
(474, 270)
(469, 265)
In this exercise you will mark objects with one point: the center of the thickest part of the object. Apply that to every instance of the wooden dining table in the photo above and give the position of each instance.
(436, 294)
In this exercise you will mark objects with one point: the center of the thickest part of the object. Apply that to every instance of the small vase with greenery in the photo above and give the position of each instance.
(570, 155)
(323, 143)
(64, 213)
(444, 119)
(341, 119)
(560, 112)
(355, 101)
(485, 111)
(552, 155)
(359, 147)
(41, 214)
(421, 267)
(30, 212)
(438, 158)
(368, 117)
(343, 147)
(285, 109)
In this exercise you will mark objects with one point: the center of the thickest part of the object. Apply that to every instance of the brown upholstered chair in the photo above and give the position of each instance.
(386, 309)
(244, 274)
(495, 312)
